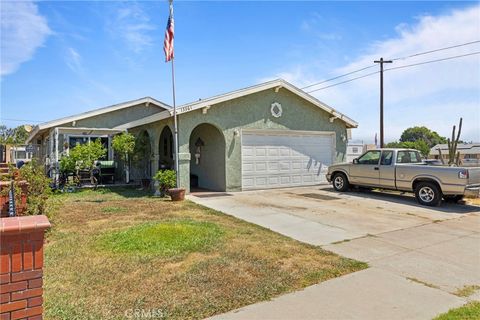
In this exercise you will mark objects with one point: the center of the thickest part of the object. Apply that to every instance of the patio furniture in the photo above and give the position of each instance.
(107, 171)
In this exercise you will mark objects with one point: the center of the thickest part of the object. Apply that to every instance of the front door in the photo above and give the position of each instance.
(365, 171)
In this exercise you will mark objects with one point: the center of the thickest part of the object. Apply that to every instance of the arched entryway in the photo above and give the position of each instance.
(207, 164)
(142, 156)
(165, 149)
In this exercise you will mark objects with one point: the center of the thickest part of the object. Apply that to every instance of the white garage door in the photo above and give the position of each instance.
(275, 159)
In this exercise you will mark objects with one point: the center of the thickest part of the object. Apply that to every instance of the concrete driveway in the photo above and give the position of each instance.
(420, 257)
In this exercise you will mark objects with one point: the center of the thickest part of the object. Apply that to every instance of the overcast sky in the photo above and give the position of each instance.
(62, 58)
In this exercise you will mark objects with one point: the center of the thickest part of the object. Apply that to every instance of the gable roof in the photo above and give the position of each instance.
(93, 113)
(277, 84)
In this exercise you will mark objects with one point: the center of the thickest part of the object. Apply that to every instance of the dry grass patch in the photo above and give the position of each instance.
(180, 258)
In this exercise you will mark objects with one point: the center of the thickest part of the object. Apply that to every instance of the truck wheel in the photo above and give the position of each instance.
(428, 194)
(340, 182)
(453, 199)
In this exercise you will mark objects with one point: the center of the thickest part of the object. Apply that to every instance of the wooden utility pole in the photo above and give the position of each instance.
(381, 61)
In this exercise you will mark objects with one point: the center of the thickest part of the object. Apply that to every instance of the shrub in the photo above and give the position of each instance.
(38, 187)
(124, 144)
(166, 179)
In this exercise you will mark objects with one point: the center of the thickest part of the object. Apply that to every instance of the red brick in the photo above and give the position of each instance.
(11, 306)
(35, 283)
(27, 256)
(27, 294)
(16, 286)
(35, 301)
(4, 261)
(35, 311)
(4, 297)
(4, 278)
(16, 257)
(5, 316)
(39, 317)
(38, 260)
(26, 275)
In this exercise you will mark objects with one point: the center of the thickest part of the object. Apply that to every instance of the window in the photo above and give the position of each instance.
(354, 149)
(408, 157)
(387, 158)
(371, 157)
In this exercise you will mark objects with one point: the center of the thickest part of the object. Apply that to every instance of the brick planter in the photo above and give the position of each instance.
(21, 264)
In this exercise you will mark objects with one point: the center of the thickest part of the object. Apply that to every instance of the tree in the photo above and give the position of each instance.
(124, 145)
(13, 136)
(431, 138)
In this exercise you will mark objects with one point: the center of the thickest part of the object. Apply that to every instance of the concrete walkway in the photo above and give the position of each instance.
(420, 257)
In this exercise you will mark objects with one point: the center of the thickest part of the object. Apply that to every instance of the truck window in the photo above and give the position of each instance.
(386, 158)
(370, 157)
(408, 156)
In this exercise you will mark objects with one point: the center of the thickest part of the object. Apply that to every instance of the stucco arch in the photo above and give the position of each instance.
(210, 169)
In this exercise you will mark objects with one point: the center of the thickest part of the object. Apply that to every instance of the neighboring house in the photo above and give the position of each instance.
(469, 153)
(265, 136)
(354, 150)
(19, 154)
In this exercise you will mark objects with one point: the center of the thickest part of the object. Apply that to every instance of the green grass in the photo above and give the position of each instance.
(180, 259)
(470, 311)
(113, 209)
(166, 239)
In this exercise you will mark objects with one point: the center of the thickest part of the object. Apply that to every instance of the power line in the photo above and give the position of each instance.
(340, 76)
(436, 50)
(431, 61)
(394, 68)
(349, 80)
(21, 120)
(401, 58)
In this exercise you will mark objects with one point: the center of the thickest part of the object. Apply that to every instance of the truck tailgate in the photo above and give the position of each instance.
(474, 176)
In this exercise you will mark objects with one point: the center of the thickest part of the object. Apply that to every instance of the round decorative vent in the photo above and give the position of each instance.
(276, 110)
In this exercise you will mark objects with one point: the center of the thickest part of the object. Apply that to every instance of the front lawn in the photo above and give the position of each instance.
(470, 311)
(113, 254)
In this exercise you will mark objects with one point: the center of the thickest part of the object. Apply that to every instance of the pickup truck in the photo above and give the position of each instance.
(404, 170)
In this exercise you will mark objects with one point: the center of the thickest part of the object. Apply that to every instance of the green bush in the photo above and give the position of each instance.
(83, 156)
(38, 187)
(166, 179)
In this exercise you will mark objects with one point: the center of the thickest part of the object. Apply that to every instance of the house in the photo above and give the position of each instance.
(469, 153)
(354, 150)
(265, 136)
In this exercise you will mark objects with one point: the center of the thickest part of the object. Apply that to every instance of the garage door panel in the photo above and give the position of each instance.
(271, 160)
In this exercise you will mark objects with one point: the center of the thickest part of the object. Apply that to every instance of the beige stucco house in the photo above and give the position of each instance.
(266, 136)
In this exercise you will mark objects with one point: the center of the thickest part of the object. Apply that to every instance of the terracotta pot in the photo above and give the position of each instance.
(177, 194)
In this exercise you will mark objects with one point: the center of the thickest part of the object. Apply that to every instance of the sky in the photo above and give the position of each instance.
(60, 58)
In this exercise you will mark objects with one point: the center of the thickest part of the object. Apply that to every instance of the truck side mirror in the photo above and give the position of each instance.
(355, 161)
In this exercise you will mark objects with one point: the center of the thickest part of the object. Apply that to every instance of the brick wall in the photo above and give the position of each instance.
(21, 263)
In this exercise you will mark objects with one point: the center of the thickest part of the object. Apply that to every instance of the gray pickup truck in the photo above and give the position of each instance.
(404, 170)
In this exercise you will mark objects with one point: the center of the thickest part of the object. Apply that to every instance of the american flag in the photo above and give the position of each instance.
(168, 42)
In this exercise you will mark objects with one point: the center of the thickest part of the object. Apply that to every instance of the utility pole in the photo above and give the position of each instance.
(381, 61)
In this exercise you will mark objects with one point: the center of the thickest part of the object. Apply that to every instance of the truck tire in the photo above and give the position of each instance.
(340, 182)
(453, 199)
(428, 194)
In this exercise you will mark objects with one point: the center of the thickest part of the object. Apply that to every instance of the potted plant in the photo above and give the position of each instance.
(166, 181)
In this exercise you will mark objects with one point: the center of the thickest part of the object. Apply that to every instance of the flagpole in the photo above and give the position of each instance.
(175, 125)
